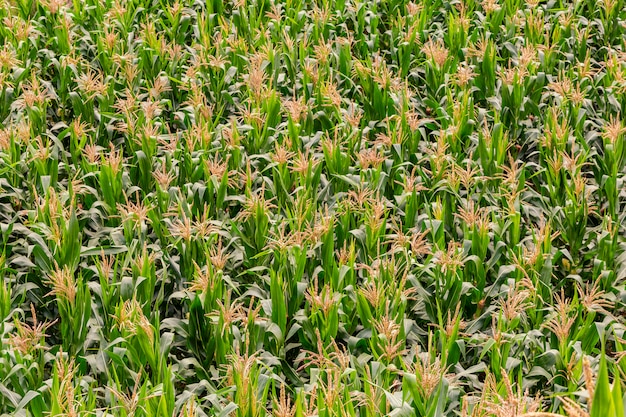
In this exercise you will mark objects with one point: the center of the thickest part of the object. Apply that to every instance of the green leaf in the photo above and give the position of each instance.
(602, 405)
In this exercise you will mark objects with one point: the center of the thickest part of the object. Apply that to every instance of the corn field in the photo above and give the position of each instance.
(329, 208)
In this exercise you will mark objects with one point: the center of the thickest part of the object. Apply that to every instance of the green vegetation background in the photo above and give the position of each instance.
(324, 208)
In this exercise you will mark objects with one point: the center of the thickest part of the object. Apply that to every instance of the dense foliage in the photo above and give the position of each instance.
(320, 208)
